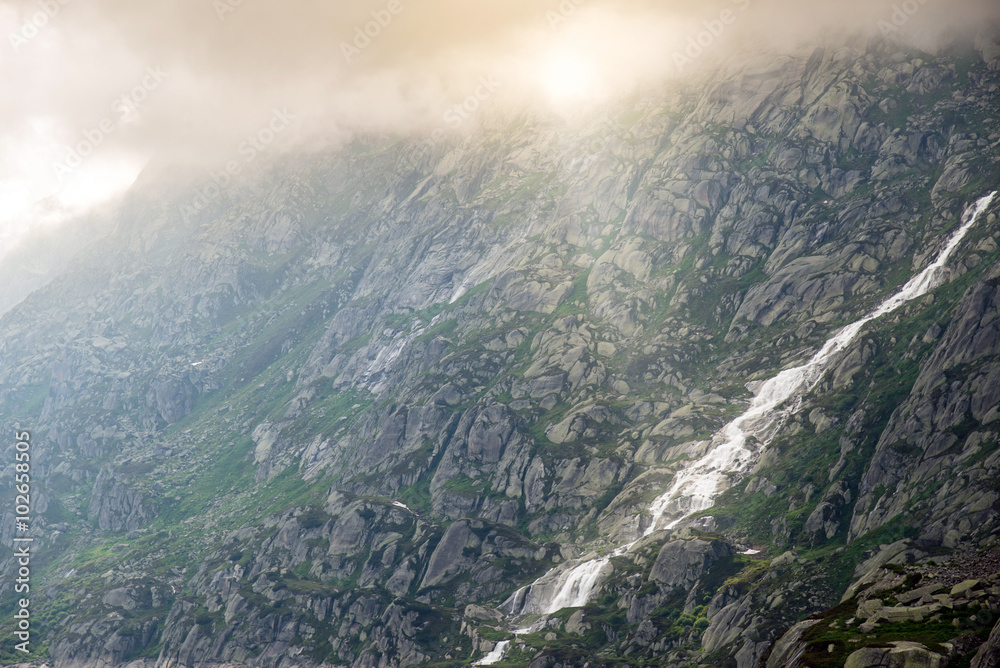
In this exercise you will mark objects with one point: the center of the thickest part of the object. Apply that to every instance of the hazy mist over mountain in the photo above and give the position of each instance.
(552, 334)
(189, 81)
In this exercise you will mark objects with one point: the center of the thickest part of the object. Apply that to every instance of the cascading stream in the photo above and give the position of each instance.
(695, 488)
(495, 655)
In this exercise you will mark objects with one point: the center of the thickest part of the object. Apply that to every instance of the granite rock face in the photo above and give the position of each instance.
(342, 414)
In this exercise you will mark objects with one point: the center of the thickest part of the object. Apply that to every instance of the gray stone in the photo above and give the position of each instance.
(681, 562)
(901, 655)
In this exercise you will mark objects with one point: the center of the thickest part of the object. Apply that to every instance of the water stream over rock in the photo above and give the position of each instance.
(696, 487)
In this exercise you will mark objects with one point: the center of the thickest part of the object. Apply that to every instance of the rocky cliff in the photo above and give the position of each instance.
(345, 412)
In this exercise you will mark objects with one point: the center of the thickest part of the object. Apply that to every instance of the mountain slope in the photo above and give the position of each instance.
(348, 411)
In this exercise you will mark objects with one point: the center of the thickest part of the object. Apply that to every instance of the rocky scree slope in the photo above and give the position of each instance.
(343, 413)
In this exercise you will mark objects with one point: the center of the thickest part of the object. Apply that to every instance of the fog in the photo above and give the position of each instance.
(96, 89)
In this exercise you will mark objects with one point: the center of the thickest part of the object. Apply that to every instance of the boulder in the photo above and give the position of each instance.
(900, 655)
(681, 562)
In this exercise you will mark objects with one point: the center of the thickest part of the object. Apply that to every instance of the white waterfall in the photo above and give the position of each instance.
(695, 488)
(495, 655)
(559, 588)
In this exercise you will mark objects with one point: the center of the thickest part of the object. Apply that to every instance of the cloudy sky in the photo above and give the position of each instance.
(94, 89)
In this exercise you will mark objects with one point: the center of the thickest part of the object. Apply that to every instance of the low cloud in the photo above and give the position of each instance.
(374, 65)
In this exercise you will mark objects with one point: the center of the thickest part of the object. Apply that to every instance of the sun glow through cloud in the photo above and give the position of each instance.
(64, 75)
(25, 209)
(97, 183)
(597, 56)
(567, 76)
